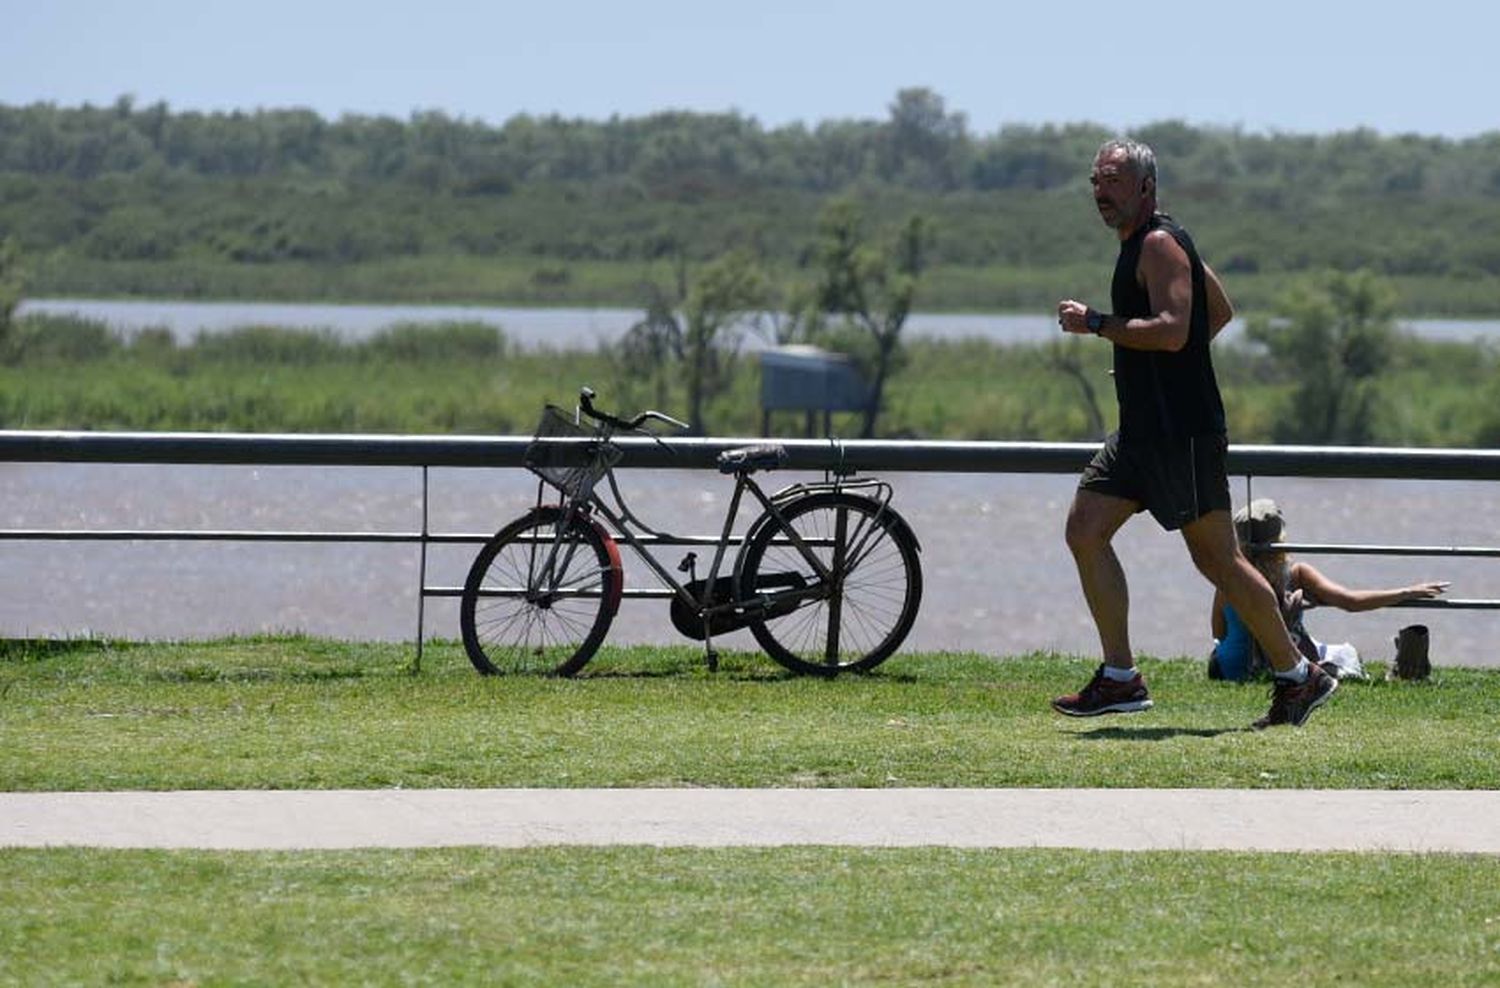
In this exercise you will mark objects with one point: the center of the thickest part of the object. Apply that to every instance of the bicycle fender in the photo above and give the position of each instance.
(551, 512)
(900, 522)
(615, 565)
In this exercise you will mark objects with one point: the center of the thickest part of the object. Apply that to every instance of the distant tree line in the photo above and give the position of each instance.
(144, 183)
(922, 146)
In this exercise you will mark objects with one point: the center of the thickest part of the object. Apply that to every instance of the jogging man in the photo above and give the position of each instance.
(1168, 455)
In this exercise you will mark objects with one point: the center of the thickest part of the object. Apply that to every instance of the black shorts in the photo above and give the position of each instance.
(1177, 480)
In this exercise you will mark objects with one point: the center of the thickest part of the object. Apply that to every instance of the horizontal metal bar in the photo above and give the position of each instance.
(632, 593)
(456, 538)
(663, 593)
(664, 539)
(1332, 549)
(209, 535)
(201, 535)
(866, 455)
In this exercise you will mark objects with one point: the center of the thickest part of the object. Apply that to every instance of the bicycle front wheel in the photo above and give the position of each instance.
(856, 618)
(540, 596)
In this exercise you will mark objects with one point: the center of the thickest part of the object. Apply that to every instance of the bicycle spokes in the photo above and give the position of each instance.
(859, 613)
(538, 597)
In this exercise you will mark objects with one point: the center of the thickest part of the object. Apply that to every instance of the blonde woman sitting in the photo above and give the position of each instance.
(1298, 586)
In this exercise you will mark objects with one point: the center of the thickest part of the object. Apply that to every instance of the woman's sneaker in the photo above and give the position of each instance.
(1105, 696)
(1292, 703)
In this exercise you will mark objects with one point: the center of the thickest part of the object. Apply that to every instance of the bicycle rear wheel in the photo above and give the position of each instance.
(854, 621)
(540, 596)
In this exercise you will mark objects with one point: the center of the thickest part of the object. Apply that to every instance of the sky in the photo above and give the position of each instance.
(1313, 66)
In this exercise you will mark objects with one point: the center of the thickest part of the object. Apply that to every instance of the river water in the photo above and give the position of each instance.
(562, 327)
(998, 578)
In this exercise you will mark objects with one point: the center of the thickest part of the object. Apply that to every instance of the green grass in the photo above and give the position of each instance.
(304, 713)
(294, 711)
(795, 916)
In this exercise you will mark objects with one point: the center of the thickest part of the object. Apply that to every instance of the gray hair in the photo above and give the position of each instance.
(1140, 157)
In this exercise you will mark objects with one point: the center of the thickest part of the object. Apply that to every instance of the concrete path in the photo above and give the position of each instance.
(1115, 819)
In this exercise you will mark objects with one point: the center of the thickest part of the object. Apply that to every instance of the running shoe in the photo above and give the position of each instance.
(1105, 696)
(1292, 703)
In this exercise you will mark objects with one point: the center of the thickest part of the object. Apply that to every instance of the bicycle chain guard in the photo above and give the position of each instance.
(687, 620)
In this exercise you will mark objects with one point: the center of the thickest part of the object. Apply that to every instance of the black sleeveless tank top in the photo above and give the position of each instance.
(1164, 394)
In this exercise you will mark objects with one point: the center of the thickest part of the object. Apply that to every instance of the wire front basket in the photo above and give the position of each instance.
(569, 456)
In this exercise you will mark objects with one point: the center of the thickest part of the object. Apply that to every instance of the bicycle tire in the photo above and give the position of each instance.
(863, 620)
(510, 625)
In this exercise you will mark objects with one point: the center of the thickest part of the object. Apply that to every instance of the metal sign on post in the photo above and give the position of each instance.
(809, 379)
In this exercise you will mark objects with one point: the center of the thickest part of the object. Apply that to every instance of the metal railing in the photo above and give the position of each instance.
(812, 455)
(803, 454)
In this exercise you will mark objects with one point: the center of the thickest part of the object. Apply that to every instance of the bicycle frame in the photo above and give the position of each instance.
(623, 525)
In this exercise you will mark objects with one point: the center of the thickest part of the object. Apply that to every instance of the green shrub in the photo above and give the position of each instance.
(432, 342)
(269, 345)
(60, 339)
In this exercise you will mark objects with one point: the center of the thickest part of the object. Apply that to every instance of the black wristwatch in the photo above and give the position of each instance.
(1094, 320)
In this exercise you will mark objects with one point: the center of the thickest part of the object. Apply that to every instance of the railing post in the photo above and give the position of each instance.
(422, 576)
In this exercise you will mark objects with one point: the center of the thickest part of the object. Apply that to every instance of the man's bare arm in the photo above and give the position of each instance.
(1219, 309)
(1168, 276)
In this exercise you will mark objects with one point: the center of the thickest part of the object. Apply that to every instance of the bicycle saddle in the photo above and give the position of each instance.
(748, 459)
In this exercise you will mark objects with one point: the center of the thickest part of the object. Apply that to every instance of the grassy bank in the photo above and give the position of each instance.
(796, 916)
(66, 373)
(304, 713)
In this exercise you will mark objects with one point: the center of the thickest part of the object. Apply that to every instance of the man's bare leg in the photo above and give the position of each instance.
(1117, 687)
(1299, 686)
(1216, 553)
(1093, 521)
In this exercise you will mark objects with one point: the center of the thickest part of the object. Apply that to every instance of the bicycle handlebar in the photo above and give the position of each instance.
(586, 404)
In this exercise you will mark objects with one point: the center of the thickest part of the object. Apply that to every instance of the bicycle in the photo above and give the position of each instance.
(827, 578)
